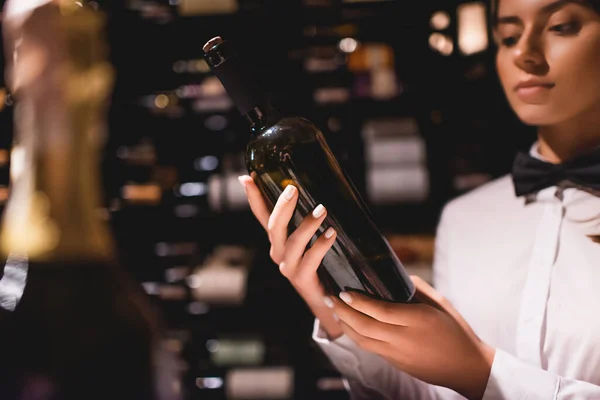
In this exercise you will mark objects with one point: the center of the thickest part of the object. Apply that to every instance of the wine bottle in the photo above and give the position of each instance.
(291, 150)
(81, 327)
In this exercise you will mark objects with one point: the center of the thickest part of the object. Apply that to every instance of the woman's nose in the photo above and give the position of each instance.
(529, 55)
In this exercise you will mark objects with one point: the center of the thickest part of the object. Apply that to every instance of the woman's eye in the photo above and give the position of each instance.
(565, 29)
(509, 41)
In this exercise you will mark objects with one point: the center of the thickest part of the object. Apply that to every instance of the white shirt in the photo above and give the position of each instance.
(526, 277)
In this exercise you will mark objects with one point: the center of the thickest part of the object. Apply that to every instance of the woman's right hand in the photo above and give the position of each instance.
(296, 263)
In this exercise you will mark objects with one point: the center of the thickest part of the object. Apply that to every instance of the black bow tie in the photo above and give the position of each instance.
(531, 175)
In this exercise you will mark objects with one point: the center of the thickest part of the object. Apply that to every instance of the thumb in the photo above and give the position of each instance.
(428, 295)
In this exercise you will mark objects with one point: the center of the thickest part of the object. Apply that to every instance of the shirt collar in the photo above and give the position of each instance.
(534, 152)
(548, 194)
(563, 189)
(581, 207)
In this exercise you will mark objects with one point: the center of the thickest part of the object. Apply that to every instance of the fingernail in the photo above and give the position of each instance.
(346, 298)
(329, 233)
(318, 211)
(289, 191)
(241, 179)
(328, 302)
(335, 317)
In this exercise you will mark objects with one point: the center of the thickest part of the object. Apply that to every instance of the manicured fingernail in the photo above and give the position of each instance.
(289, 192)
(328, 302)
(242, 182)
(346, 298)
(317, 212)
(329, 233)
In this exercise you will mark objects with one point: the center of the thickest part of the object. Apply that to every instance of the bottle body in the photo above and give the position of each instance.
(294, 151)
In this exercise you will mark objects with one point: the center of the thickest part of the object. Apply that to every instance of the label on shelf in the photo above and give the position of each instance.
(142, 194)
(207, 7)
(268, 383)
(398, 184)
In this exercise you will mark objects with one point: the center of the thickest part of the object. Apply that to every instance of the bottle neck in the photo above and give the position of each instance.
(261, 118)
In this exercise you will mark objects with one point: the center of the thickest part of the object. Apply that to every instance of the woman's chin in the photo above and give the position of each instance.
(538, 116)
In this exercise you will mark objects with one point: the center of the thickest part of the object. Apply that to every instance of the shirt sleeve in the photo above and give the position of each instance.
(513, 379)
(369, 376)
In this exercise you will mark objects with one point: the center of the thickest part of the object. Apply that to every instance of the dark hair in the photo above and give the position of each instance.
(594, 4)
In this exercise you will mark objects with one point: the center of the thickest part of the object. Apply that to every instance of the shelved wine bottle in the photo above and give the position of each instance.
(77, 325)
(290, 150)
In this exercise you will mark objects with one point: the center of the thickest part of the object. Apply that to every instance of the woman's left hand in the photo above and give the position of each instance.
(430, 341)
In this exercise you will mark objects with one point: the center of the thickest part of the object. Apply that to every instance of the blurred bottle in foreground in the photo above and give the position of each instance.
(80, 327)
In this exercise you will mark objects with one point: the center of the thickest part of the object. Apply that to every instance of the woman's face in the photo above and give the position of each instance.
(548, 59)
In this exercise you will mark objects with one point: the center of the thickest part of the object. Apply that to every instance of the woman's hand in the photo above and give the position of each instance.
(296, 263)
(430, 341)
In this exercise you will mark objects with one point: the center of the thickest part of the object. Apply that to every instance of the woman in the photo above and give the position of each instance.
(515, 260)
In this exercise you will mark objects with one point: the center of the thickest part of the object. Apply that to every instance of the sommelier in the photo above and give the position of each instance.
(514, 311)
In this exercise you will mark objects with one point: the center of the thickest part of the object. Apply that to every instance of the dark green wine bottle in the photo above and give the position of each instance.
(290, 150)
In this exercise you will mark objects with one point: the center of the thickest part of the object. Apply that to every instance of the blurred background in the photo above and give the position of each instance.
(407, 96)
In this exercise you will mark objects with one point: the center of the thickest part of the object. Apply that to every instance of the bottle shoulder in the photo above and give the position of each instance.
(287, 131)
(287, 139)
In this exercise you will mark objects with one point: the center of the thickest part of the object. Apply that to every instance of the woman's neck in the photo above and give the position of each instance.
(567, 140)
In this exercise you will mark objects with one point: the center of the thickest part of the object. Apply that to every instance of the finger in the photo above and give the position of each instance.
(313, 257)
(277, 227)
(387, 312)
(363, 324)
(296, 244)
(425, 294)
(364, 342)
(426, 291)
(257, 203)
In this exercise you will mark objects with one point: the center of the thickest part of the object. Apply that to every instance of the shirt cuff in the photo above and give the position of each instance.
(340, 351)
(513, 379)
